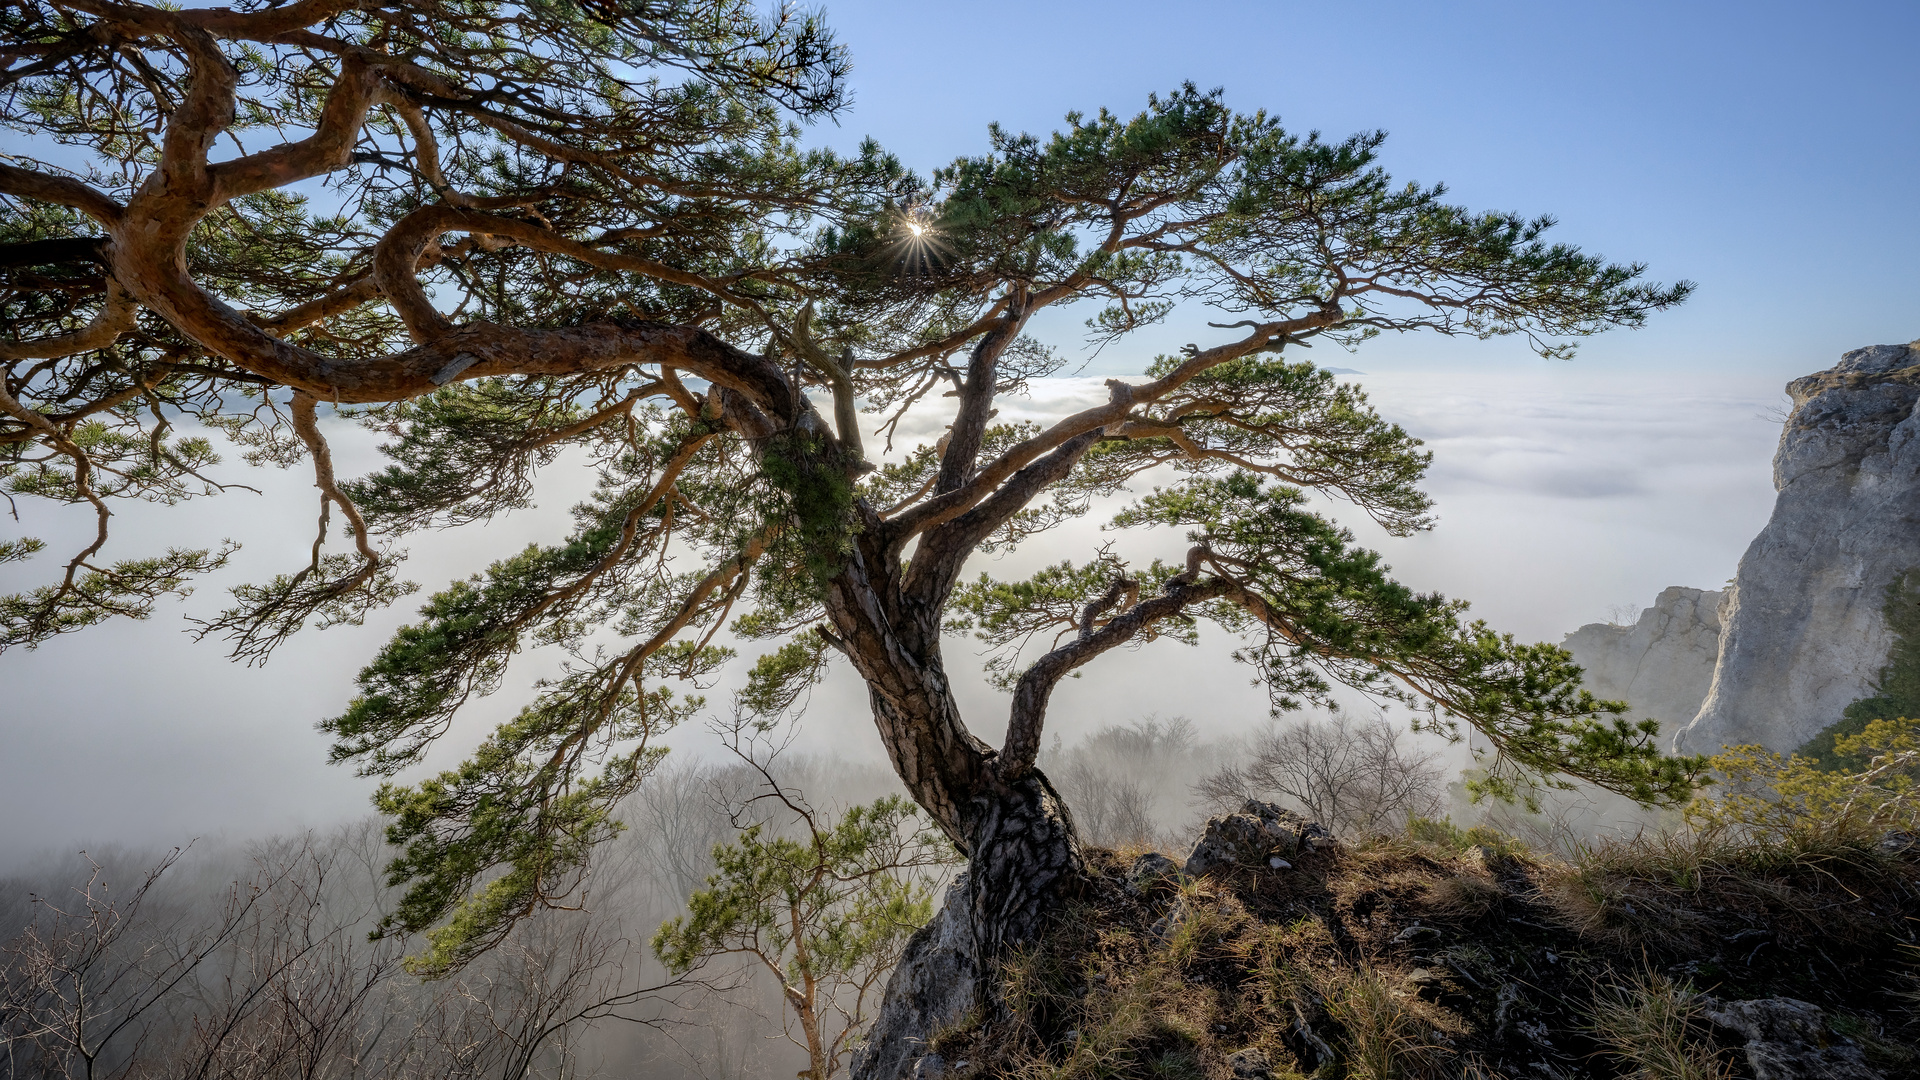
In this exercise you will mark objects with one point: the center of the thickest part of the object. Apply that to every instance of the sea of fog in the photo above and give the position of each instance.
(1565, 495)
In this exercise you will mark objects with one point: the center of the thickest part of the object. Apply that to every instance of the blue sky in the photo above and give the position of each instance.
(1769, 152)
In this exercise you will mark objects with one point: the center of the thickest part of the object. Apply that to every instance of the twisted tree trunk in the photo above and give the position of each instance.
(1023, 862)
(1023, 854)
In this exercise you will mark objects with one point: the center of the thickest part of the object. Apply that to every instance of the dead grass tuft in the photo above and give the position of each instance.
(1649, 1025)
(1672, 891)
(1464, 896)
(1389, 1033)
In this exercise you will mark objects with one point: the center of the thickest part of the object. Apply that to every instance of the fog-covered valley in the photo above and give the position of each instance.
(252, 958)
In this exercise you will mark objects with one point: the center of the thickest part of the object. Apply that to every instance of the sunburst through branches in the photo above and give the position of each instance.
(918, 247)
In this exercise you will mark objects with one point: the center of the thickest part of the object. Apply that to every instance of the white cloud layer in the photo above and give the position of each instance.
(1562, 493)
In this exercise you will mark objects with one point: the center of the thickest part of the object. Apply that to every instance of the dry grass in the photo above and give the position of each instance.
(1443, 837)
(1125, 1011)
(1319, 967)
(1464, 896)
(1207, 928)
(1389, 1032)
(1672, 891)
(1648, 1025)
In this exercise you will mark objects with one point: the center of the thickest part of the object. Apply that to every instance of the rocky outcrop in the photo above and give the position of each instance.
(1458, 960)
(1663, 664)
(1804, 632)
(1788, 1039)
(1261, 834)
(933, 987)
(937, 983)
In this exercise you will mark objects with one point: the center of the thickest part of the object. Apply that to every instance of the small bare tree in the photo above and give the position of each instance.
(283, 982)
(85, 989)
(1354, 777)
(1113, 779)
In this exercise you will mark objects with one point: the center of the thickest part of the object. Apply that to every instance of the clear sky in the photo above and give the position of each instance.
(1769, 152)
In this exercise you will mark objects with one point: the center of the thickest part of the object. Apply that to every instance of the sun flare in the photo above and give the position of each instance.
(917, 244)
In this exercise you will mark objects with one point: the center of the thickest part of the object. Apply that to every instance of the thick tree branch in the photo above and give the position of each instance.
(1028, 713)
(977, 393)
(846, 405)
(59, 190)
(271, 23)
(61, 252)
(329, 148)
(943, 551)
(116, 316)
(948, 505)
(399, 252)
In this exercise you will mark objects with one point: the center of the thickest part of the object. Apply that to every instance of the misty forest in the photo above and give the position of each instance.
(771, 753)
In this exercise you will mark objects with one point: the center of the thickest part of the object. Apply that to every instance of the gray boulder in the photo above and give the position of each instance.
(1149, 869)
(1250, 1064)
(1259, 831)
(1788, 1040)
(1803, 631)
(931, 989)
(1169, 924)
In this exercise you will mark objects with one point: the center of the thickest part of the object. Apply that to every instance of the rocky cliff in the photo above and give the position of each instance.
(1803, 631)
(1663, 664)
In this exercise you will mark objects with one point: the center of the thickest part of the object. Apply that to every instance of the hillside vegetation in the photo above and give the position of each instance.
(1772, 938)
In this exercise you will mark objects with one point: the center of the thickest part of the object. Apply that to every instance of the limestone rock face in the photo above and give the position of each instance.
(1803, 632)
(1663, 664)
(932, 988)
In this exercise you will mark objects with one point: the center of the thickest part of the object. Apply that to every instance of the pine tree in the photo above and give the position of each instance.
(495, 232)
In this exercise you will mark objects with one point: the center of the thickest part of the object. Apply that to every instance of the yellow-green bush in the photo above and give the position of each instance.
(1769, 794)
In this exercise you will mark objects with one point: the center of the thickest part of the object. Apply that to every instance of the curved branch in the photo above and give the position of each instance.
(330, 147)
(936, 565)
(1030, 694)
(82, 481)
(273, 22)
(951, 504)
(198, 119)
(306, 425)
(154, 274)
(426, 149)
(61, 191)
(117, 316)
(398, 252)
(976, 395)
